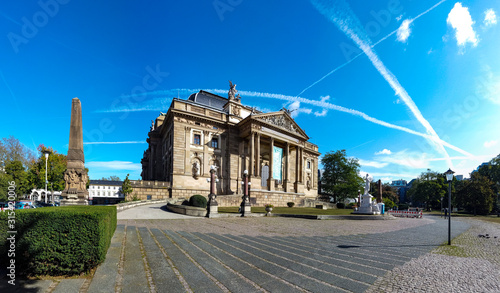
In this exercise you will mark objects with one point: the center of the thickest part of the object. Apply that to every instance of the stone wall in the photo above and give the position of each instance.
(156, 189)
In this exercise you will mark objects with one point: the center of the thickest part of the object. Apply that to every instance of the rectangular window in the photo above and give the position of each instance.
(214, 143)
(197, 139)
(149, 197)
(308, 164)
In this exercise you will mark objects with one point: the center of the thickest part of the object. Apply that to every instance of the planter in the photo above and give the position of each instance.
(269, 210)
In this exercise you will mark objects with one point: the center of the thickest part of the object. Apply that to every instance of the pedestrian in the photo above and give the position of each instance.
(445, 213)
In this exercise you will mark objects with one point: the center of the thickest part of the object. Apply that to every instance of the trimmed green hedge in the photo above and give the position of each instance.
(59, 241)
(198, 200)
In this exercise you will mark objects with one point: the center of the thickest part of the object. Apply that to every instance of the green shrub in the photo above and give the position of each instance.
(290, 204)
(198, 201)
(185, 202)
(59, 241)
(340, 205)
(389, 204)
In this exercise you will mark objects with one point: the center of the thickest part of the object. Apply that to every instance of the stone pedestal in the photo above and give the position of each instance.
(212, 207)
(367, 206)
(246, 209)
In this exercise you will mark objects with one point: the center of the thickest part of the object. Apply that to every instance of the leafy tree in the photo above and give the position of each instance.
(11, 149)
(476, 195)
(17, 173)
(126, 186)
(429, 188)
(340, 177)
(389, 193)
(56, 165)
(389, 204)
(4, 185)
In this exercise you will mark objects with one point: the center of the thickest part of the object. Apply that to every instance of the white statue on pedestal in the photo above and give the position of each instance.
(367, 205)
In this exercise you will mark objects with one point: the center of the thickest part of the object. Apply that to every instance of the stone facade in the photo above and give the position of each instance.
(208, 129)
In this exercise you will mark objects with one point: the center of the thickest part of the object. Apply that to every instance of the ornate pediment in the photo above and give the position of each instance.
(281, 120)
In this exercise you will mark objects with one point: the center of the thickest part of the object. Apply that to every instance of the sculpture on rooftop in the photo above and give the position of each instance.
(232, 91)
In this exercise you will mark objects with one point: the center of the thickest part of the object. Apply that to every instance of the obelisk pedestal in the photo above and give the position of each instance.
(75, 176)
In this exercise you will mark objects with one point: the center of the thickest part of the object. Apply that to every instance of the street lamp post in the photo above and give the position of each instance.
(449, 178)
(46, 181)
(245, 204)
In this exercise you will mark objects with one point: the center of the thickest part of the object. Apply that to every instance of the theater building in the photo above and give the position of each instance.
(207, 129)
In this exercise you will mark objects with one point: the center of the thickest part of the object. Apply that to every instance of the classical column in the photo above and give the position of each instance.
(252, 154)
(297, 153)
(241, 156)
(301, 179)
(205, 167)
(187, 164)
(270, 182)
(287, 164)
(258, 167)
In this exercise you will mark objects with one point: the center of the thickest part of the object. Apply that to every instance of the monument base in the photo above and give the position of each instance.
(246, 209)
(212, 209)
(74, 202)
(365, 213)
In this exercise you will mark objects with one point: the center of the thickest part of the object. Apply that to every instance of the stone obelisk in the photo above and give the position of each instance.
(379, 193)
(75, 176)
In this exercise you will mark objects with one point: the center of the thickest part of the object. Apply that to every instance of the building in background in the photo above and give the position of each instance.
(401, 187)
(105, 192)
(209, 130)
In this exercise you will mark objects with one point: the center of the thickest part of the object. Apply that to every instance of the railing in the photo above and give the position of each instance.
(405, 214)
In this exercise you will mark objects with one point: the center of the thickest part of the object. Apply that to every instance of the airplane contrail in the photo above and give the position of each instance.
(319, 103)
(372, 46)
(340, 14)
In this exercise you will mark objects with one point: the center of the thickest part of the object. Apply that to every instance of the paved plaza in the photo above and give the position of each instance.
(271, 254)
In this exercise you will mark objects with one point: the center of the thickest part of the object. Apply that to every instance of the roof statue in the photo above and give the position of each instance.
(232, 91)
(289, 112)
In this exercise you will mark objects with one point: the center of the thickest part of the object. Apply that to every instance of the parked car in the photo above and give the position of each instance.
(3, 206)
(20, 205)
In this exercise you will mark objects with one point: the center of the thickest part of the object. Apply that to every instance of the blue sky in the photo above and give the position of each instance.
(401, 85)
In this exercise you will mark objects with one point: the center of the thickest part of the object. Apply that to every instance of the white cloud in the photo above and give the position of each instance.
(459, 18)
(113, 165)
(488, 86)
(399, 17)
(490, 17)
(296, 109)
(374, 164)
(409, 159)
(384, 152)
(489, 144)
(404, 30)
(321, 114)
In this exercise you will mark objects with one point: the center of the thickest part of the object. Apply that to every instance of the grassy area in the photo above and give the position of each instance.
(490, 218)
(292, 211)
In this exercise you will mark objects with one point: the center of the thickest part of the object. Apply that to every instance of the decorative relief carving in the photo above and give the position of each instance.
(280, 121)
(256, 127)
(236, 110)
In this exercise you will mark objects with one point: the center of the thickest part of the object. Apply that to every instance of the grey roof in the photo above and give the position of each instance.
(208, 99)
(106, 182)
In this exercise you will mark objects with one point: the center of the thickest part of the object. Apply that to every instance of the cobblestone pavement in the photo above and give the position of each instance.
(269, 254)
(471, 264)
